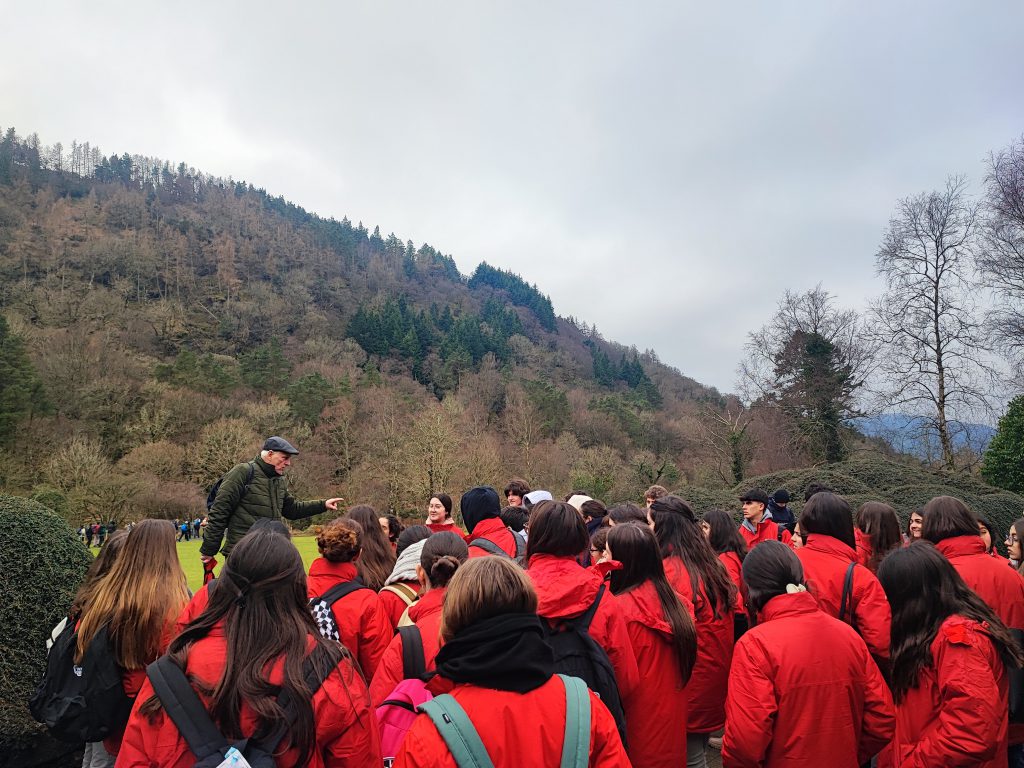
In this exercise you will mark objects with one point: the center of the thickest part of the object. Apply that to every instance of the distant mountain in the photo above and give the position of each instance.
(915, 435)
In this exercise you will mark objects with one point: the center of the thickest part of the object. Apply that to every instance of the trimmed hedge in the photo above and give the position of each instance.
(865, 478)
(43, 561)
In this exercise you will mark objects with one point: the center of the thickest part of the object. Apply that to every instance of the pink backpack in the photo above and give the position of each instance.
(397, 713)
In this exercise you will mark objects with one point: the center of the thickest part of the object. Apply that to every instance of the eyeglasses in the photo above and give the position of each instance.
(1012, 538)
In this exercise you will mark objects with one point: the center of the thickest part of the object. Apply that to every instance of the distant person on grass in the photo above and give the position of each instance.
(240, 501)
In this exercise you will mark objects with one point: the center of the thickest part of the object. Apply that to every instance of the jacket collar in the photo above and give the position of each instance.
(429, 602)
(340, 571)
(484, 527)
(564, 587)
(957, 546)
(764, 519)
(829, 545)
(784, 606)
(268, 470)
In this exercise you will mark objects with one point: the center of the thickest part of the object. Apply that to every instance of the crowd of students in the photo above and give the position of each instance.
(831, 639)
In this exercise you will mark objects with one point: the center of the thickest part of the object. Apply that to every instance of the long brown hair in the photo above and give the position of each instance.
(260, 602)
(377, 559)
(636, 548)
(100, 567)
(879, 522)
(139, 598)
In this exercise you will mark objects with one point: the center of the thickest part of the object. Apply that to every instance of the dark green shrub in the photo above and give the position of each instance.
(43, 562)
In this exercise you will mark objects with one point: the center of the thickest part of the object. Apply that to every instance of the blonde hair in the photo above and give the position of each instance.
(483, 588)
(139, 599)
(339, 541)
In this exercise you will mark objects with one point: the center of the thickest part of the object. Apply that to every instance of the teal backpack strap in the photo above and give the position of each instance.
(458, 732)
(576, 746)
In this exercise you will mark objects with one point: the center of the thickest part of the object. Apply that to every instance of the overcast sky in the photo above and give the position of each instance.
(663, 170)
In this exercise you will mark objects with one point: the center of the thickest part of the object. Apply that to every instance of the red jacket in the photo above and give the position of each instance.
(804, 691)
(825, 560)
(446, 527)
(705, 693)
(864, 547)
(767, 530)
(393, 603)
(565, 590)
(732, 564)
(518, 729)
(956, 716)
(651, 744)
(362, 623)
(999, 586)
(346, 729)
(426, 614)
(495, 531)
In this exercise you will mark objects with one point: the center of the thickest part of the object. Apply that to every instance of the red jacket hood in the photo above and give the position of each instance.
(829, 545)
(564, 588)
(641, 604)
(784, 606)
(957, 546)
(323, 574)
(428, 603)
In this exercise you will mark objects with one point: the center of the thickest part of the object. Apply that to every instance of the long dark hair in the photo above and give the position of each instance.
(946, 517)
(377, 559)
(924, 590)
(556, 529)
(724, 536)
(261, 602)
(879, 522)
(768, 569)
(637, 549)
(828, 514)
(675, 527)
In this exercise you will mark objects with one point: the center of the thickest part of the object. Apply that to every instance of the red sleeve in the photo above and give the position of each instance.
(972, 705)
(872, 611)
(375, 633)
(191, 611)
(750, 707)
(879, 723)
(616, 643)
(346, 726)
(606, 750)
(389, 672)
(134, 752)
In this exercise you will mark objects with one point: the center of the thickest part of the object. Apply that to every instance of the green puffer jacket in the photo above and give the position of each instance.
(234, 512)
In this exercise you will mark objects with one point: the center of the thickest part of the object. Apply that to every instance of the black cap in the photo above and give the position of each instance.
(755, 494)
(781, 496)
(279, 444)
(477, 504)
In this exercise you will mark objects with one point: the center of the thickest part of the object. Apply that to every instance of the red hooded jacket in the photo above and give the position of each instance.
(804, 691)
(565, 589)
(999, 586)
(956, 716)
(651, 744)
(346, 729)
(706, 690)
(362, 623)
(732, 564)
(767, 530)
(510, 738)
(495, 531)
(825, 560)
(426, 614)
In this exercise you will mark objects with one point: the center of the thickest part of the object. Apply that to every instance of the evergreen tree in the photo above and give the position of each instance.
(1003, 463)
(21, 390)
(265, 368)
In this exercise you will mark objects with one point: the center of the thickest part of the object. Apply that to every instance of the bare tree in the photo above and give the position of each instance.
(726, 432)
(926, 321)
(1001, 262)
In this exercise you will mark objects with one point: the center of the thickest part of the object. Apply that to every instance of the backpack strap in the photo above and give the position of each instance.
(489, 546)
(846, 602)
(414, 660)
(458, 732)
(576, 745)
(316, 668)
(404, 591)
(779, 528)
(520, 545)
(582, 622)
(185, 709)
(338, 591)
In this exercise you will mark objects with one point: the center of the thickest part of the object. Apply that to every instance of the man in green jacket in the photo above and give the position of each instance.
(237, 505)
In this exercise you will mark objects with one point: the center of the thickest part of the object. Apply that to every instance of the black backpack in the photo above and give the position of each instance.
(212, 495)
(321, 607)
(577, 654)
(489, 546)
(81, 702)
(193, 722)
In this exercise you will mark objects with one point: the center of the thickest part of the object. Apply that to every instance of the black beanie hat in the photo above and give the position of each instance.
(480, 503)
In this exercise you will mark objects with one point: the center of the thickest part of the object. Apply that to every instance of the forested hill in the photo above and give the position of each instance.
(171, 318)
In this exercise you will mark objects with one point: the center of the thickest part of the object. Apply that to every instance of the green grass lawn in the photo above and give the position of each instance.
(188, 554)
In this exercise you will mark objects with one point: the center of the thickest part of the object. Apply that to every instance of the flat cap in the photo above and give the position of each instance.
(276, 443)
